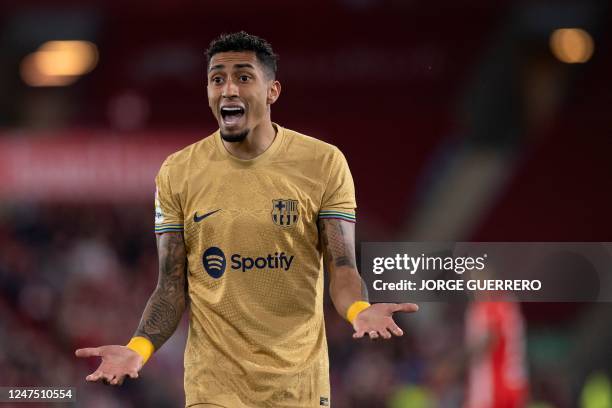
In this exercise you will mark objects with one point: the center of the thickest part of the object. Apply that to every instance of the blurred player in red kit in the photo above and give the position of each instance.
(495, 338)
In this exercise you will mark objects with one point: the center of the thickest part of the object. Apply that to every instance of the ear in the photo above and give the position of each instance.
(207, 92)
(273, 92)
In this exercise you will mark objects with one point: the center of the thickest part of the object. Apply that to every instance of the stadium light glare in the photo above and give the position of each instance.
(572, 45)
(33, 76)
(59, 63)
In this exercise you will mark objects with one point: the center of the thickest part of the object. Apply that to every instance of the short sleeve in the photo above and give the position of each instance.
(168, 212)
(339, 196)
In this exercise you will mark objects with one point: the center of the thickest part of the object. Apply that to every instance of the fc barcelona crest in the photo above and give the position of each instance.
(285, 212)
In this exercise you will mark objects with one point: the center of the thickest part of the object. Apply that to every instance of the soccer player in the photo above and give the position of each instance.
(495, 341)
(244, 219)
(497, 372)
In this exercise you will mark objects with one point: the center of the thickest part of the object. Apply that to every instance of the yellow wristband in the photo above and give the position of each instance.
(355, 309)
(142, 346)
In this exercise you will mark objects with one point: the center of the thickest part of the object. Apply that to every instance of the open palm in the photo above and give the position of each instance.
(377, 320)
(117, 363)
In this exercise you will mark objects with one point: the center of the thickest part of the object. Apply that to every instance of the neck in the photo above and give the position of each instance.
(257, 141)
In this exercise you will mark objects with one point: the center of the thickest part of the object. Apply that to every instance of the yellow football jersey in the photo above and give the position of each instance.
(256, 334)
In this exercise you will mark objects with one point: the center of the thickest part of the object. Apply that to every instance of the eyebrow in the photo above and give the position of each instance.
(221, 66)
(247, 65)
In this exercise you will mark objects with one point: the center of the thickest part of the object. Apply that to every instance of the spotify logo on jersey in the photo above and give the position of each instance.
(214, 262)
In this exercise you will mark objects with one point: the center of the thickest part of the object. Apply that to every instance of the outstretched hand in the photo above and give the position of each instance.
(117, 363)
(377, 320)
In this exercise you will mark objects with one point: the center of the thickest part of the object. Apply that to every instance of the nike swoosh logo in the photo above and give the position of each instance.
(201, 217)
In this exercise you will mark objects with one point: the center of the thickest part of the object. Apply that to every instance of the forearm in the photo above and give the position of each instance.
(166, 305)
(338, 242)
(346, 288)
(161, 317)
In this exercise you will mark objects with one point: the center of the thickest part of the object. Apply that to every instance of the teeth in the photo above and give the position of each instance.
(231, 110)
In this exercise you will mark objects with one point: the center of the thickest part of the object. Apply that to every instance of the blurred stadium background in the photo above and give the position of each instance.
(467, 120)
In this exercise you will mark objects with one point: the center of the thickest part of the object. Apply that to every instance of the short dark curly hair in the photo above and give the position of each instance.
(243, 41)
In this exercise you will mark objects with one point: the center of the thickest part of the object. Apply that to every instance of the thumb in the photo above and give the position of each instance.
(406, 307)
(88, 352)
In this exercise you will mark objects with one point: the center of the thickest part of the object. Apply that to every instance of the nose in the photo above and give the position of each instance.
(230, 89)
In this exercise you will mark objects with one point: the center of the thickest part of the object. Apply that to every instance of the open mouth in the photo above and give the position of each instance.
(231, 114)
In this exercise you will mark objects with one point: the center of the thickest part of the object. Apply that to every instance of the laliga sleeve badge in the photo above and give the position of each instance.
(159, 214)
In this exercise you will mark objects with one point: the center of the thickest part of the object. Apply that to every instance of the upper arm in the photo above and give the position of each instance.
(336, 217)
(337, 238)
(169, 232)
(168, 208)
(172, 262)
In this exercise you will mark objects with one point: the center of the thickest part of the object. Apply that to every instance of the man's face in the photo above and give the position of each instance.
(239, 93)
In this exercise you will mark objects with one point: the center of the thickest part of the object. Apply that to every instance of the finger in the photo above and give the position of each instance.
(394, 328)
(133, 374)
(88, 352)
(373, 334)
(385, 333)
(93, 377)
(406, 307)
(359, 334)
(108, 378)
(117, 380)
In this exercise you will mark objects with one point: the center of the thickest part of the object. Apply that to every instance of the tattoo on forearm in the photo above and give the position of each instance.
(161, 316)
(338, 239)
(167, 303)
(338, 244)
